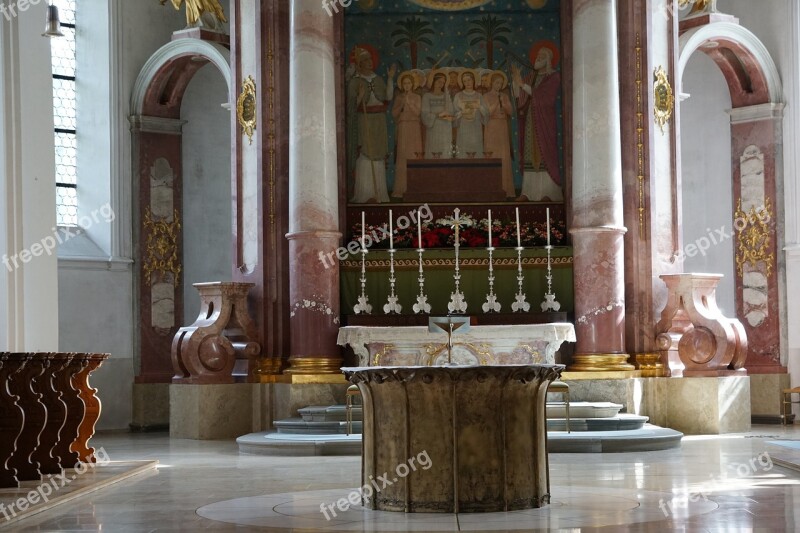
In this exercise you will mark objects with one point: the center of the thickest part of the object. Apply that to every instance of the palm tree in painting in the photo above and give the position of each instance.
(488, 30)
(412, 32)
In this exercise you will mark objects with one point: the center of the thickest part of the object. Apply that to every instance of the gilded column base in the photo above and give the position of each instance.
(268, 366)
(600, 362)
(314, 365)
(650, 365)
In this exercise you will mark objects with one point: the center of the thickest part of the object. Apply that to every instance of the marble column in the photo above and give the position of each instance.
(597, 216)
(313, 192)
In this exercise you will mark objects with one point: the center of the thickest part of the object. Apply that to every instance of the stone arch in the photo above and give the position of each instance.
(756, 128)
(157, 154)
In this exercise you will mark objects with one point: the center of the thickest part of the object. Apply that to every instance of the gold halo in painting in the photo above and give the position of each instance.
(408, 74)
(450, 5)
(476, 79)
(502, 75)
(368, 5)
(435, 73)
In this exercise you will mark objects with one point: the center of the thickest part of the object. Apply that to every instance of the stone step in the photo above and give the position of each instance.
(621, 422)
(298, 426)
(328, 413)
(583, 410)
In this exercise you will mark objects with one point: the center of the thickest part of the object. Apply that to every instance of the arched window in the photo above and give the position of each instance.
(65, 115)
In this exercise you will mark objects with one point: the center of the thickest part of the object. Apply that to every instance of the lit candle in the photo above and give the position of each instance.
(391, 231)
(419, 230)
(519, 239)
(363, 229)
(490, 228)
(548, 226)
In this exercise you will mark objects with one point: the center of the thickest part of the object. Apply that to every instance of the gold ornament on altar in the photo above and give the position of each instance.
(664, 101)
(207, 14)
(246, 107)
(754, 238)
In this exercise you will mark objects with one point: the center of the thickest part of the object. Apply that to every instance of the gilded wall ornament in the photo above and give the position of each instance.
(161, 250)
(754, 237)
(664, 100)
(246, 107)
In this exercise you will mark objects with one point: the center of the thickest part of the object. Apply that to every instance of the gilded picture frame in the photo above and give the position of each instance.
(246, 107)
(664, 99)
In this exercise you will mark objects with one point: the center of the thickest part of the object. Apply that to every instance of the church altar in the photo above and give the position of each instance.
(439, 263)
(455, 180)
(482, 345)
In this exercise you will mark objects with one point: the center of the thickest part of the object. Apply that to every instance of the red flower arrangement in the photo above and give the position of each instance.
(473, 234)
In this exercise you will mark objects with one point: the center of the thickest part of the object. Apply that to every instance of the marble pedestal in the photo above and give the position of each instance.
(766, 397)
(222, 411)
(694, 406)
(455, 439)
(150, 407)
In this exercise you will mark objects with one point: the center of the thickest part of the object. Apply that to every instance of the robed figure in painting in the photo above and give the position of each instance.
(536, 96)
(437, 116)
(406, 111)
(497, 136)
(471, 115)
(368, 97)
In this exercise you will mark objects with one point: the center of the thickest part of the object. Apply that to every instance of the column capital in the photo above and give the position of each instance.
(754, 113)
(149, 124)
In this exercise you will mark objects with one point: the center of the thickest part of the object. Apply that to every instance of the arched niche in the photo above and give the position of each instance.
(157, 161)
(756, 208)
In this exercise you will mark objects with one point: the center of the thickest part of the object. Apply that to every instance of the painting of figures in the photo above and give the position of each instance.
(475, 81)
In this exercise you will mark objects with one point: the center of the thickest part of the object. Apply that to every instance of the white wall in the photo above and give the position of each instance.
(206, 185)
(706, 172)
(29, 318)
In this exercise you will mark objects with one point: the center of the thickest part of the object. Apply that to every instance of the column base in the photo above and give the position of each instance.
(601, 362)
(306, 379)
(314, 365)
(650, 365)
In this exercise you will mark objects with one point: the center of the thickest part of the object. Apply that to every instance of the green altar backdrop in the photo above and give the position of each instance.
(439, 283)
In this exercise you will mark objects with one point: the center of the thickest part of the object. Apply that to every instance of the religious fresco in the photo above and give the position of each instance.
(453, 85)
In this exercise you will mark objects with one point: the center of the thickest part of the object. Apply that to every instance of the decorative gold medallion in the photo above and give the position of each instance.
(246, 107)
(664, 99)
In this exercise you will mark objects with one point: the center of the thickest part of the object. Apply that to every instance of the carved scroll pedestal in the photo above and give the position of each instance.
(482, 428)
(693, 336)
(208, 351)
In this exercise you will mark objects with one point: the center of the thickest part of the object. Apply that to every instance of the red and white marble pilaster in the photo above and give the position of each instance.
(313, 192)
(597, 215)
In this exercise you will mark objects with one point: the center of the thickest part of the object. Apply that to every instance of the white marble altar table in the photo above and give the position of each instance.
(520, 344)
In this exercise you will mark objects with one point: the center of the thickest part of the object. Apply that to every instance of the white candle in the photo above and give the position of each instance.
(363, 229)
(490, 228)
(419, 230)
(519, 239)
(548, 226)
(391, 231)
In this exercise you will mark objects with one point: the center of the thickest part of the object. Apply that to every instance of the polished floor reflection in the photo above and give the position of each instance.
(713, 483)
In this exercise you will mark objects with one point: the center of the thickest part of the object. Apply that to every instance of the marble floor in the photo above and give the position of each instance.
(711, 483)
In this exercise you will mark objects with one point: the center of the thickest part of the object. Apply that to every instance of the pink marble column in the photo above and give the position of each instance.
(597, 215)
(313, 192)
